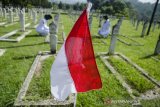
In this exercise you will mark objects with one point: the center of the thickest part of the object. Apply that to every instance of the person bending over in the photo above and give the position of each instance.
(42, 28)
(105, 29)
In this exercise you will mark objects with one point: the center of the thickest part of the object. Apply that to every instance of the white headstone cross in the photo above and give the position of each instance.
(4, 13)
(1, 12)
(42, 15)
(30, 15)
(16, 12)
(56, 20)
(22, 19)
(10, 19)
(34, 16)
(53, 28)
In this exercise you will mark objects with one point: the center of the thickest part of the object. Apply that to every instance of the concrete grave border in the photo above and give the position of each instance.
(138, 68)
(2, 51)
(116, 74)
(149, 95)
(7, 24)
(49, 102)
(2, 23)
(156, 59)
(129, 44)
(19, 38)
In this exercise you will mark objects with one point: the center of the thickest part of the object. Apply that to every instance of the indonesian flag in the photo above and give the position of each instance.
(74, 69)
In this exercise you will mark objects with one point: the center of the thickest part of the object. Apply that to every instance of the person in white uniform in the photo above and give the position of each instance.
(105, 29)
(42, 28)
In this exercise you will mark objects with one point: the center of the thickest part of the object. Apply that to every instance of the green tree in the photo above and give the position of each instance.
(60, 5)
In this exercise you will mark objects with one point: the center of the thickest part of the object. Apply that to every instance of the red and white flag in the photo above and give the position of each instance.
(74, 69)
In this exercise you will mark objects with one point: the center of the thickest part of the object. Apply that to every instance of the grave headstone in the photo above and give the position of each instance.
(30, 15)
(158, 25)
(56, 20)
(4, 13)
(138, 21)
(157, 49)
(34, 17)
(1, 12)
(90, 21)
(143, 22)
(42, 15)
(100, 20)
(22, 19)
(144, 28)
(10, 18)
(115, 31)
(16, 12)
(134, 22)
(53, 37)
(119, 24)
(154, 26)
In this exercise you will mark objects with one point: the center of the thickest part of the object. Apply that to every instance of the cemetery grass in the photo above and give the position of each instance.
(16, 62)
(131, 75)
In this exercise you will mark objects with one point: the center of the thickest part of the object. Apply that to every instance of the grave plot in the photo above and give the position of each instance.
(156, 58)
(11, 28)
(35, 90)
(6, 24)
(133, 78)
(16, 35)
(2, 23)
(8, 29)
(2, 51)
(128, 41)
(9, 24)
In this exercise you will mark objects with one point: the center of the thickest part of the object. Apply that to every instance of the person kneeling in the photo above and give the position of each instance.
(105, 29)
(42, 28)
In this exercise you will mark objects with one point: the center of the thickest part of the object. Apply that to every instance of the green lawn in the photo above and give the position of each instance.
(16, 62)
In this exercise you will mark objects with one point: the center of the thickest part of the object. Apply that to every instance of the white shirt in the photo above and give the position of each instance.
(42, 28)
(105, 30)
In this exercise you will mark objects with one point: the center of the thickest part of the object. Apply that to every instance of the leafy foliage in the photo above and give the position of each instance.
(145, 9)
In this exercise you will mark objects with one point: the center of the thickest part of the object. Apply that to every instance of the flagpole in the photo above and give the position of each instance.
(75, 100)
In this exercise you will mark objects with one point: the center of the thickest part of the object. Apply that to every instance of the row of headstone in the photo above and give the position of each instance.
(136, 24)
(21, 18)
(11, 13)
(144, 24)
